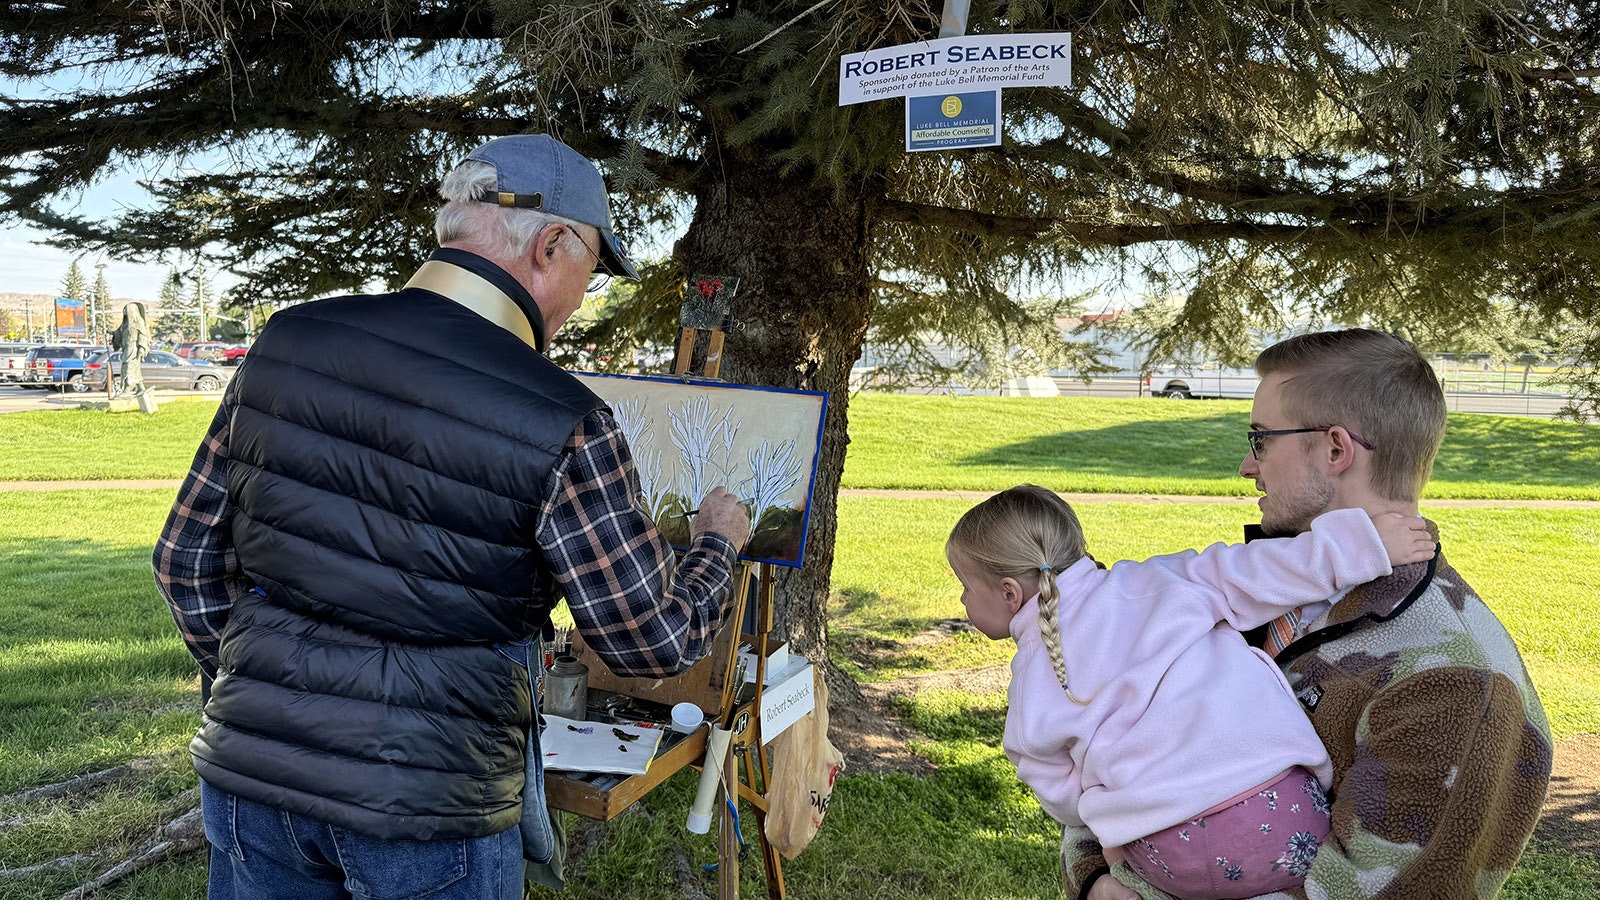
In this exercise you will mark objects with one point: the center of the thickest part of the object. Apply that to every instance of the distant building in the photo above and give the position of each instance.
(1114, 341)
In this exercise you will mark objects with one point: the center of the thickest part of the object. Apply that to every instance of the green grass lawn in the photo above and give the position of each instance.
(892, 585)
(92, 672)
(1100, 445)
(90, 664)
(70, 444)
(1069, 444)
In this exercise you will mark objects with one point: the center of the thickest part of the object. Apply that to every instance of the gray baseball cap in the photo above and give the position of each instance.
(536, 171)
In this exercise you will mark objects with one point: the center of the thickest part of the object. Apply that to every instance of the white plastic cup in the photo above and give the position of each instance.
(686, 717)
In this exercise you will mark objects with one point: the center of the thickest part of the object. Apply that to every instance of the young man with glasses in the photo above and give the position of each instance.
(394, 494)
(1440, 746)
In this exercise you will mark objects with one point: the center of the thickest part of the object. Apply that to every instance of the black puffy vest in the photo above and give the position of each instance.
(389, 457)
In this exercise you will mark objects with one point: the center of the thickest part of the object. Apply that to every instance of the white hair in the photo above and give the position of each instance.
(508, 229)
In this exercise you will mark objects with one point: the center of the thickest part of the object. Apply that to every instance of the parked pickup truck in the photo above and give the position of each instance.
(1209, 380)
(14, 361)
(57, 366)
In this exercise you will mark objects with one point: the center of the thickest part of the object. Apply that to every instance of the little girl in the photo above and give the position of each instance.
(1137, 709)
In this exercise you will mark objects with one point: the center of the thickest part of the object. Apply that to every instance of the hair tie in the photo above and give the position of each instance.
(1045, 569)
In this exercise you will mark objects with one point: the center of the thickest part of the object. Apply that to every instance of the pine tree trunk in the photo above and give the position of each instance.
(802, 310)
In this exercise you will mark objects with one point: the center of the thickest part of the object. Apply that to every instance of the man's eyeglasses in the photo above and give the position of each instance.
(1258, 439)
(601, 274)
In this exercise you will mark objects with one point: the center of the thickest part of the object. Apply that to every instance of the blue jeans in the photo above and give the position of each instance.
(263, 853)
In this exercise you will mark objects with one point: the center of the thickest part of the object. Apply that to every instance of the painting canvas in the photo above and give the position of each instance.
(688, 437)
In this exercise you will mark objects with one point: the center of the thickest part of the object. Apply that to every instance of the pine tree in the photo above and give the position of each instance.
(170, 324)
(1265, 163)
(73, 284)
(99, 312)
(232, 324)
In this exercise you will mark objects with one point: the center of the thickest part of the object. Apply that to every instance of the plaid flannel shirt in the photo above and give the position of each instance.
(640, 613)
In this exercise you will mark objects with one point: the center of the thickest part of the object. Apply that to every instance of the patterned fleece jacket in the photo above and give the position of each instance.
(1441, 752)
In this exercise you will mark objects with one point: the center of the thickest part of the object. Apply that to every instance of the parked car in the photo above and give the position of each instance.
(14, 361)
(59, 366)
(207, 350)
(161, 370)
(232, 356)
(1208, 380)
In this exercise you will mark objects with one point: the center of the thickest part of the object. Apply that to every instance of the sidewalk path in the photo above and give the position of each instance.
(117, 483)
(174, 483)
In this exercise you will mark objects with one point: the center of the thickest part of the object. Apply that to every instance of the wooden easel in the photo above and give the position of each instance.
(747, 753)
(712, 683)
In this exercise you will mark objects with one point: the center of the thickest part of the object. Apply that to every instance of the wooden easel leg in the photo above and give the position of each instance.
(769, 856)
(714, 355)
(746, 763)
(686, 340)
(775, 888)
(728, 837)
(685, 351)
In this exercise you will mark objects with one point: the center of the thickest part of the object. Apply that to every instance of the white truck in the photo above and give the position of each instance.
(1209, 380)
(14, 361)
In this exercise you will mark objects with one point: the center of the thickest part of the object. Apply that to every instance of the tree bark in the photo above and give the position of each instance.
(802, 311)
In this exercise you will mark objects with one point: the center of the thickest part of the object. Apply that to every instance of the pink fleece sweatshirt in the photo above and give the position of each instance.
(1184, 715)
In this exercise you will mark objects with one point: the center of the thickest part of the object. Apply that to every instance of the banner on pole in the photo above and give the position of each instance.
(969, 63)
(70, 318)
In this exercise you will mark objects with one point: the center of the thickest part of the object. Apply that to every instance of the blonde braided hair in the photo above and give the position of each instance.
(1030, 534)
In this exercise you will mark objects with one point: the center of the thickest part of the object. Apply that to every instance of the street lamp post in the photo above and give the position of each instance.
(94, 304)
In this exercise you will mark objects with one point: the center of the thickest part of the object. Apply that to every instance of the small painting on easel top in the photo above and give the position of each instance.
(688, 437)
(708, 302)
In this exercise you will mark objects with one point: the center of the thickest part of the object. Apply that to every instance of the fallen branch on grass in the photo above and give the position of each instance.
(74, 785)
(688, 879)
(182, 835)
(51, 865)
(77, 784)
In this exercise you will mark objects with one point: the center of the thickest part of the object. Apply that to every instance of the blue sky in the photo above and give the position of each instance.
(33, 267)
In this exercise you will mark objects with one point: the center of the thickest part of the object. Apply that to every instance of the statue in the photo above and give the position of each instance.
(132, 337)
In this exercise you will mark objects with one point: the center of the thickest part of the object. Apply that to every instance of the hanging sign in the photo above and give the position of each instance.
(948, 121)
(983, 62)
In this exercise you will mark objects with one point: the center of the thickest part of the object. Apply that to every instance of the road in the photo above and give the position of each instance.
(1540, 405)
(20, 399)
(1545, 406)
(17, 399)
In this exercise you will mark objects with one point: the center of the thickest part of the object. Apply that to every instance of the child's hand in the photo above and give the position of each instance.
(1405, 538)
(1107, 888)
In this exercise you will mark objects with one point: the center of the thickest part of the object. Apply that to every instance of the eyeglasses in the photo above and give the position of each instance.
(1258, 439)
(602, 274)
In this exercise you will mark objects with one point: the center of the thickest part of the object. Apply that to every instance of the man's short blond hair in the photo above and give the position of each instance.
(1375, 385)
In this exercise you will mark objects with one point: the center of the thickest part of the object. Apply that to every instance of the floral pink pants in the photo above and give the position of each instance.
(1262, 843)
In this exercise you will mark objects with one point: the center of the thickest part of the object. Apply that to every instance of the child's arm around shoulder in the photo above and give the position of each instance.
(1405, 538)
(1250, 584)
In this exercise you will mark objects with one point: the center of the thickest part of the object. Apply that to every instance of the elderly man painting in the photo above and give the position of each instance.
(360, 558)
(1440, 747)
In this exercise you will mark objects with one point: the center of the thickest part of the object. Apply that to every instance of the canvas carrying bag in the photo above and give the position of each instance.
(804, 765)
